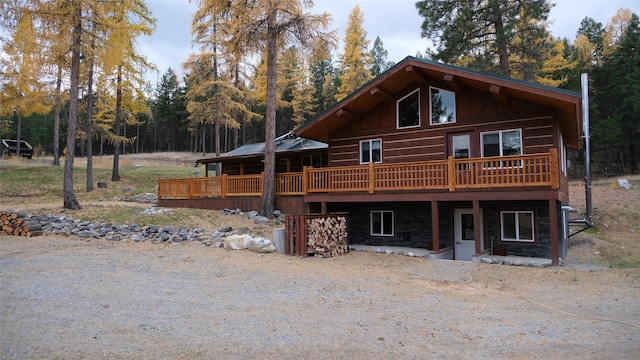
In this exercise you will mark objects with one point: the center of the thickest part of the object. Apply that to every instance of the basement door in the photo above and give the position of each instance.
(465, 245)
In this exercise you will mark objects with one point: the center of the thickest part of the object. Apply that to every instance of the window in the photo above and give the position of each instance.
(502, 143)
(370, 151)
(517, 226)
(381, 223)
(461, 146)
(563, 155)
(408, 110)
(443, 106)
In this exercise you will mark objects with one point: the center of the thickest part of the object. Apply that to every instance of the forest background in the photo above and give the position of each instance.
(220, 103)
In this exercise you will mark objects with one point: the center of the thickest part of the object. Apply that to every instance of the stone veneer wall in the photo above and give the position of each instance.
(542, 247)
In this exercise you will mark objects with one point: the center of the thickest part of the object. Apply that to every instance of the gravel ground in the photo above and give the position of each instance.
(66, 298)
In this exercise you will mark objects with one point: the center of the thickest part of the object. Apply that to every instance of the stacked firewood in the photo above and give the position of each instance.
(327, 236)
(18, 225)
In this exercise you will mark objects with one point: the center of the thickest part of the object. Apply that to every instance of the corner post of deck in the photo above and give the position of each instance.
(435, 226)
(223, 186)
(554, 169)
(451, 173)
(305, 180)
(372, 178)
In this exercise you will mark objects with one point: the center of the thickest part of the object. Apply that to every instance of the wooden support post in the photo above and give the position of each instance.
(553, 227)
(323, 207)
(451, 173)
(477, 226)
(191, 186)
(553, 169)
(372, 178)
(435, 227)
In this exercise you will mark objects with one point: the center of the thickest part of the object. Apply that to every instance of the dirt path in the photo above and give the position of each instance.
(72, 299)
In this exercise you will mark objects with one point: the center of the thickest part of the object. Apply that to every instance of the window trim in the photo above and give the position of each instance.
(489, 165)
(455, 107)
(398, 111)
(370, 141)
(381, 212)
(517, 226)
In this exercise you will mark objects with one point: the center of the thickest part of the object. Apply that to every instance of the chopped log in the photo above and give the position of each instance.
(17, 224)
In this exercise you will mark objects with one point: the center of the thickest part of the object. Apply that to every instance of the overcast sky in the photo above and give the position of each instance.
(396, 22)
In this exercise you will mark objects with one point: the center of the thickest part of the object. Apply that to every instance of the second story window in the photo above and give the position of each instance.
(443, 106)
(371, 151)
(502, 143)
(408, 110)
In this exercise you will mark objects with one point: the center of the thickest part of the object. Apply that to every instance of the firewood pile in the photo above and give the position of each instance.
(18, 225)
(327, 236)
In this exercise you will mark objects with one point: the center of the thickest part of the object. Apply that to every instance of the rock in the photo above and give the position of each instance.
(624, 183)
(261, 245)
(102, 185)
(236, 242)
(260, 219)
(225, 229)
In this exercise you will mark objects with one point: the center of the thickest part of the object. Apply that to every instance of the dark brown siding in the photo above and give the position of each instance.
(477, 112)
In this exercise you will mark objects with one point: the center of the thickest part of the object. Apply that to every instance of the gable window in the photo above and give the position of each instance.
(408, 110)
(381, 223)
(371, 151)
(502, 143)
(517, 226)
(443, 106)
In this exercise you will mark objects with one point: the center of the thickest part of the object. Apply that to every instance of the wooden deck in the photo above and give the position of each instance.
(535, 170)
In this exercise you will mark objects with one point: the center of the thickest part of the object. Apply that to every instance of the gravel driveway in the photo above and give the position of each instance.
(66, 298)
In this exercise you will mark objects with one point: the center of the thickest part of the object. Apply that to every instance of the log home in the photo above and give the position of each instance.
(434, 156)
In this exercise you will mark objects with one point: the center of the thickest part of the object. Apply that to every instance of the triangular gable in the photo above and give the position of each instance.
(382, 89)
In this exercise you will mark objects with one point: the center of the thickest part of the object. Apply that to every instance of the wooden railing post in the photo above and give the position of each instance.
(261, 185)
(372, 178)
(451, 172)
(305, 180)
(554, 169)
(223, 186)
(190, 188)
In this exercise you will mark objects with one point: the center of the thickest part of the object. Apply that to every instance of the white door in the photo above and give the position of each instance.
(464, 236)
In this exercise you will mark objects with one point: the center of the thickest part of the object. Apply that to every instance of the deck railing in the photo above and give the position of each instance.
(451, 174)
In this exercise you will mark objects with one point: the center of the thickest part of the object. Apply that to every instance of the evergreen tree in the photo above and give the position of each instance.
(620, 98)
(320, 68)
(480, 33)
(379, 56)
(356, 59)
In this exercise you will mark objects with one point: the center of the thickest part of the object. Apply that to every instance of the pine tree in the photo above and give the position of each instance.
(379, 56)
(265, 26)
(320, 67)
(23, 92)
(478, 33)
(356, 59)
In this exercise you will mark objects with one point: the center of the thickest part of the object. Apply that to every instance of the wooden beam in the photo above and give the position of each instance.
(477, 227)
(553, 228)
(347, 114)
(499, 93)
(420, 77)
(386, 97)
(435, 227)
(453, 82)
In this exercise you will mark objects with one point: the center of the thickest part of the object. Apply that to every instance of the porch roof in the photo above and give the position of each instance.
(382, 89)
(287, 143)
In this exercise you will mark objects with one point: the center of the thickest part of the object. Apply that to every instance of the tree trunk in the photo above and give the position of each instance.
(90, 123)
(115, 176)
(70, 200)
(18, 133)
(501, 40)
(56, 119)
(268, 195)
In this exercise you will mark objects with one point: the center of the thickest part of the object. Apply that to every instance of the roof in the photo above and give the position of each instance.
(381, 89)
(284, 144)
(13, 145)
